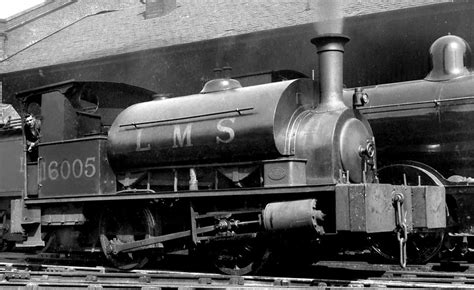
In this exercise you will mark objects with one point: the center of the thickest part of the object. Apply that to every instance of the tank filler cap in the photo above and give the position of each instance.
(221, 83)
(450, 56)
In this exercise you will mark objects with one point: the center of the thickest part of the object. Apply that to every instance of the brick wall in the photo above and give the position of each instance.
(127, 31)
(34, 12)
(35, 24)
(155, 8)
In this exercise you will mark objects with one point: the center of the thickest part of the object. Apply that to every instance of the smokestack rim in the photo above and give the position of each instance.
(330, 42)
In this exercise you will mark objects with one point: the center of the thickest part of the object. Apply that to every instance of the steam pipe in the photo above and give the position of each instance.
(330, 48)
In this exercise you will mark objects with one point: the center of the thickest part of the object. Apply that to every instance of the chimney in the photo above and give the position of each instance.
(330, 49)
(157, 8)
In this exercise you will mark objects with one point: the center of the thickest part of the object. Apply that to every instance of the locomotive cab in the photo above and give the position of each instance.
(71, 158)
(75, 117)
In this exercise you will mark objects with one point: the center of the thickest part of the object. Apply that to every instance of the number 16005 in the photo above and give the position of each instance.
(66, 169)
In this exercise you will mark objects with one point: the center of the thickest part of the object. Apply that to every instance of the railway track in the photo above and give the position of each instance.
(20, 270)
(432, 275)
(50, 276)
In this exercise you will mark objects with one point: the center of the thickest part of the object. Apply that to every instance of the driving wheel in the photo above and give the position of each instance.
(239, 257)
(123, 225)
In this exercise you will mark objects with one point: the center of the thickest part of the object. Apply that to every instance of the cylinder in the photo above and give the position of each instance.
(298, 214)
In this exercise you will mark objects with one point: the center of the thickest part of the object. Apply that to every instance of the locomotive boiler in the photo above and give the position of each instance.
(234, 173)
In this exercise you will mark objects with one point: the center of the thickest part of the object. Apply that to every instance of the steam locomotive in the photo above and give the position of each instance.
(232, 172)
(423, 131)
